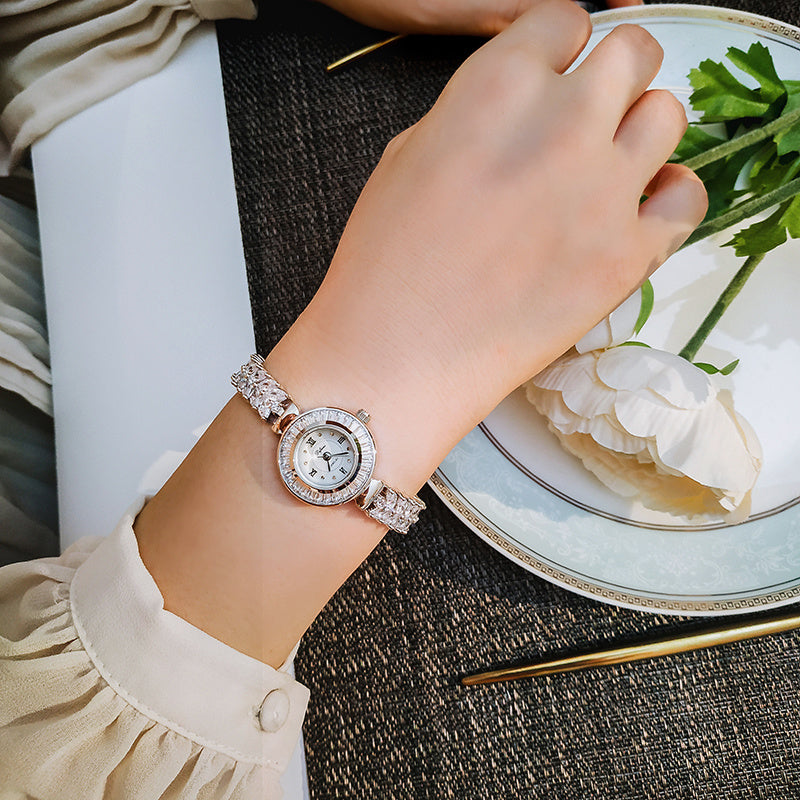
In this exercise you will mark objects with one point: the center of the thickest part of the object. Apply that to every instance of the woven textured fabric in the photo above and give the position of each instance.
(388, 718)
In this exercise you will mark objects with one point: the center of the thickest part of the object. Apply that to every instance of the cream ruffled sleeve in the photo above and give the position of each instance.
(105, 695)
(58, 57)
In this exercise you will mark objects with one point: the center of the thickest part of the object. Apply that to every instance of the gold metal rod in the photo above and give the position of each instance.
(620, 655)
(370, 48)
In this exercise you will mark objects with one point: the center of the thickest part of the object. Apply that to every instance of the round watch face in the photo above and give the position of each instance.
(326, 456)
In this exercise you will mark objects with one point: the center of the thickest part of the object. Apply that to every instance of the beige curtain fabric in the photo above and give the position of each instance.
(24, 352)
(27, 457)
(58, 57)
(28, 513)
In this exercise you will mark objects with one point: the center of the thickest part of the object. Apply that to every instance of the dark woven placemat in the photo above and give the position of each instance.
(387, 717)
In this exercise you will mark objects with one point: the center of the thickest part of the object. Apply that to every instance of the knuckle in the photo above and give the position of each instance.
(427, 14)
(501, 15)
(512, 75)
(581, 20)
(670, 108)
(637, 38)
(574, 25)
(568, 13)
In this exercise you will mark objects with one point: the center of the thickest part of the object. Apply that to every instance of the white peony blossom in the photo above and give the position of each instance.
(614, 329)
(653, 426)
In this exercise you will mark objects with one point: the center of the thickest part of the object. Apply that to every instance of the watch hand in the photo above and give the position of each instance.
(336, 455)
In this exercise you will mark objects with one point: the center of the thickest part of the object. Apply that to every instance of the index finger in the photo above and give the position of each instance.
(551, 31)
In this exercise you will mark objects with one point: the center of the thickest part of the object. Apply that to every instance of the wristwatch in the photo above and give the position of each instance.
(325, 455)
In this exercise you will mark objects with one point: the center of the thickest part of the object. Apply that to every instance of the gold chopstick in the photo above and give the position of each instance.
(680, 643)
(370, 48)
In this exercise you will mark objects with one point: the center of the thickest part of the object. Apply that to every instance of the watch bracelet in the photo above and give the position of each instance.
(270, 401)
(266, 396)
(394, 509)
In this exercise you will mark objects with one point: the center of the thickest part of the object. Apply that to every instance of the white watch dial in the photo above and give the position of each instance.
(326, 456)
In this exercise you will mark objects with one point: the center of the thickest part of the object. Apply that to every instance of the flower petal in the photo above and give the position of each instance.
(575, 377)
(597, 338)
(672, 377)
(614, 329)
(651, 425)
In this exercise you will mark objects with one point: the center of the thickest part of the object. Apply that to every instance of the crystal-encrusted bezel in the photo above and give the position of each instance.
(324, 417)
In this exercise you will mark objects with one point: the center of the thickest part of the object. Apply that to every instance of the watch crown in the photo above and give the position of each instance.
(362, 416)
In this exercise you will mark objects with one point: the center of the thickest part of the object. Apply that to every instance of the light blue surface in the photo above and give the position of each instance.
(688, 569)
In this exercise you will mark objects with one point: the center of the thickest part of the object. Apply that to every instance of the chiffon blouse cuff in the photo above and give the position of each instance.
(173, 672)
(107, 695)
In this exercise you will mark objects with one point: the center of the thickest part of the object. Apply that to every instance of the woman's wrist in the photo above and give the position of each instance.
(234, 553)
(415, 417)
(268, 562)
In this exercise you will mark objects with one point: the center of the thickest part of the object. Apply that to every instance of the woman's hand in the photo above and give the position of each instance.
(477, 17)
(494, 233)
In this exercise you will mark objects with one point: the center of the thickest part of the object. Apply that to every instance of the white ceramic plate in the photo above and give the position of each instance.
(515, 487)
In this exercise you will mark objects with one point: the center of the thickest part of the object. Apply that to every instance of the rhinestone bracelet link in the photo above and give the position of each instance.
(275, 406)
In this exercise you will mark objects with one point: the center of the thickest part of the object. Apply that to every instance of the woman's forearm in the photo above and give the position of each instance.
(235, 554)
(492, 235)
(232, 550)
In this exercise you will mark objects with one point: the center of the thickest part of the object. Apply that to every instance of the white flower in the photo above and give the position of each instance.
(650, 425)
(614, 329)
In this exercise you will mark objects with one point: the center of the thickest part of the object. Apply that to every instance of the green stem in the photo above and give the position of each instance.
(745, 140)
(725, 299)
(742, 211)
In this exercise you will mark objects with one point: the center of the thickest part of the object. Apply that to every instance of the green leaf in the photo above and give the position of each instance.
(792, 97)
(646, 308)
(728, 368)
(770, 233)
(696, 140)
(765, 156)
(754, 169)
(757, 62)
(789, 141)
(709, 368)
(712, 370)
(720, 96)
(633, 344)
(761, 237)
(776, 173)
(720, 179)
(791, 218)
(738, 213)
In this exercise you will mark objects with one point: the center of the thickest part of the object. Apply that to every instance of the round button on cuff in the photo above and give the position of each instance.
(274, 711)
